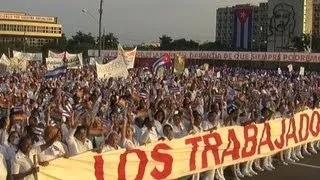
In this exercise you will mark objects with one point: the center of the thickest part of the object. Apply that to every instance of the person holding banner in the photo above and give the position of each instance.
(150, 134)
(22, 166)
(58, 149)
(111, 143)
(211, 124)
(167, 131)
(127, 136)
(3, 163)
(77, 140)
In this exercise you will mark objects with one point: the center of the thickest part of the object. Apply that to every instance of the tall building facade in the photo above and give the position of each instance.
(224, 25)
(33, 31)
(243, 26)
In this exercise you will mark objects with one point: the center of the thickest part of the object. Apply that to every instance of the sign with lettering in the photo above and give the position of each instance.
(21, 17)
(192, 154)
(53, 63)
(221, 55)
(27, 56)
(115, 68)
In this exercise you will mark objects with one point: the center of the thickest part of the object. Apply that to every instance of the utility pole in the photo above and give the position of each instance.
(311, 37)
(100, 20)
(104, 39)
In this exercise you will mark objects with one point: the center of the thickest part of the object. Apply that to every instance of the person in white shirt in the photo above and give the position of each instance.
(159, 120)
(138, 125)
(56, 150)
(210, 124)
(179, 129)
(111, 144)
(4, 125)
(127, 139)
(11, 149)
(150, 135)
(78, 142)
(22, 166)
(167, 131)
(285, 155)
(195, 128)
(196, 123)
(3, 163)
(236, 121)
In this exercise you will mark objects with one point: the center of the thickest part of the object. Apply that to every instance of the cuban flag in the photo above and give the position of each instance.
(163, 60)
(57, 72)
(242, 28)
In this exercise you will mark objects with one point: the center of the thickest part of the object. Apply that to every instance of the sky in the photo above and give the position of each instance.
(132, 21)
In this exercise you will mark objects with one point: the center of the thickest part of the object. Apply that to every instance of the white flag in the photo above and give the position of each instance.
(218, 74)
(301, 73)
(290, 67)
(279, 71)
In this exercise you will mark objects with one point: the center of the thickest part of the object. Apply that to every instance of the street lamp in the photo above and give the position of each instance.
(99, 23)
(90, 14)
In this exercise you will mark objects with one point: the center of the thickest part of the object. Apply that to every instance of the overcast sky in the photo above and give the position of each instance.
(133, 21)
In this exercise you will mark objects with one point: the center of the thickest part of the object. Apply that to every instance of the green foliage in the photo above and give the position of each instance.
(110, 41)
(165, 42)
(80, 42)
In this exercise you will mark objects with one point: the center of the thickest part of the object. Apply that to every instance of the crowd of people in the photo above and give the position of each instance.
(45, 119)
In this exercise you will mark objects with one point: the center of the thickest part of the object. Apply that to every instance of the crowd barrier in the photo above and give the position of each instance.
(191, 154)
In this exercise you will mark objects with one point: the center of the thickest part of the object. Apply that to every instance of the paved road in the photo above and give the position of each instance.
(306, 169)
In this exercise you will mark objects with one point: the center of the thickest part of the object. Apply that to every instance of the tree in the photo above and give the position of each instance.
(316, 44)
(301, 43)
(184, 45)
(165, 42)
(110, 41)
(81, 42)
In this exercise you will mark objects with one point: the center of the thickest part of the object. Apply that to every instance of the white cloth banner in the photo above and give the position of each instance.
(129, 56)
(70, 58)
(27, 56)
(115, 68)
(55, 55)
(73, 61)
(53, 63)
(221, 55)
(5, 60)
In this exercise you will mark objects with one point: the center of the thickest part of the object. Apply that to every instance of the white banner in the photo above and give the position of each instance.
(5, 60)
(115, 68)
(221, 55)
(70, 57)
(129, 56)
(191, 154)
(27, 56)
(55, 55)
(53, 63)
(73, 61)
(18, 64)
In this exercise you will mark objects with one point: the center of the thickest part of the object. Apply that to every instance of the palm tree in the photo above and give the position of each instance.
(302, 43)
(110, 41)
